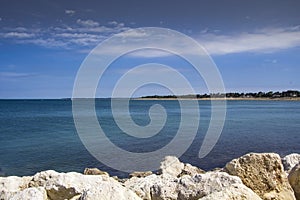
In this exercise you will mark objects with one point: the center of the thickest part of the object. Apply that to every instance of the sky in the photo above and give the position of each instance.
(254, 44)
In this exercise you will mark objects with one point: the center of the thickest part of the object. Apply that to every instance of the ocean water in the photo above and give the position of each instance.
(38, 135)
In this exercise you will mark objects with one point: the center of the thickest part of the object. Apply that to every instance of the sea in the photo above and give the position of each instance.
(37, 135)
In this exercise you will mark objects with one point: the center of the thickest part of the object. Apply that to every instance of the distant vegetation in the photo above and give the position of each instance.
(270, 95)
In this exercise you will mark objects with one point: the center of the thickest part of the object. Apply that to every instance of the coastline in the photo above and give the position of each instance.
(224, 99)
(253, 176)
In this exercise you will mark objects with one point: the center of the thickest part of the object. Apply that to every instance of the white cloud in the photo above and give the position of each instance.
(70, 12)
(88, 23)
(261, 41)
(17, 35)
(89, 33)
(15, 75)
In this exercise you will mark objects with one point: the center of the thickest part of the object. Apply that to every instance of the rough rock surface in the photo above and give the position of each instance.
(290, 161)
(171, 166)
(60, 186)
(36, 193)
(191, 170)
(233, 192)
(263, 173)
(164, 187)
(11, 185)
(140, 174)
(94, 171)
(141, 186)
(193, 187)
(250, 177)
(294, 179)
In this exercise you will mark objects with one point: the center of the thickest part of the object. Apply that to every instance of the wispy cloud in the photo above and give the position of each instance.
(18, 35)
(89, 23)
(89, 33)
(70, 12)
(15, 75)
(261, 41)
(83, 33)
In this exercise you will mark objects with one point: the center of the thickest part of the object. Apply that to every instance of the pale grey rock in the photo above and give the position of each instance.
(263, 173)
(142, 186)
(290, 161)
(233, 192)
(202, 185)
(193, 187)
(191, 170)
(171, 166)
(60, 186)
(12, 184)
(294, 179)
(38, 193)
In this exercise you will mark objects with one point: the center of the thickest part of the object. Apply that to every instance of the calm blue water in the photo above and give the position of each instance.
(38, 135)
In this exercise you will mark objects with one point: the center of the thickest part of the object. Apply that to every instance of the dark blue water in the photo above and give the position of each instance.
(39, 135)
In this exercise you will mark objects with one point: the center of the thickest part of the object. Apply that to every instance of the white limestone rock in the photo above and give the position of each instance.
(60, 186)
(171, 166)
(12, 184)
(290, 161)
(38, 193)
(233, 192)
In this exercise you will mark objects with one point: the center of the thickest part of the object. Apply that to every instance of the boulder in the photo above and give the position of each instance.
(191, 170)
(94, 171)
(233, 192)
(140, 174)
(142, 186)
(263, 173)
(200, 185)
(60, 186)
(171, 166)
(294, 179)
(11, 185)
(38, 193)
(290, 161)
(163, 187)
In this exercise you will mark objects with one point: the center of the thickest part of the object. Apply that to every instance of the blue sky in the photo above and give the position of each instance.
(255, 44)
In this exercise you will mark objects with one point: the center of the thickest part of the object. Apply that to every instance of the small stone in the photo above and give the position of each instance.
(171, 166)
(140, 174)
(94, 171)
(191, 170)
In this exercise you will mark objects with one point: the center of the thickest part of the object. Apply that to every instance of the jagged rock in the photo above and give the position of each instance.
(263, 173)
(201, 185)
(171, 166)
(290, 161)
(12, 184)
(191, 170)
(141, 186)
(94, 171)
(38, 193)
(294, 179)
(140, 174)
(60, 186)
(233, 192)
(162, 187)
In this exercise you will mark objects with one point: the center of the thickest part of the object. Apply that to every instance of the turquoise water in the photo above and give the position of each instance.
(38, 135)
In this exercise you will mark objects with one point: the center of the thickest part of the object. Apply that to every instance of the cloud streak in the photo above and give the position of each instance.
(88, 33)
(262, 41)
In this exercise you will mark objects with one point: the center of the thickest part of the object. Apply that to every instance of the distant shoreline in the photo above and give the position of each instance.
(222, 99)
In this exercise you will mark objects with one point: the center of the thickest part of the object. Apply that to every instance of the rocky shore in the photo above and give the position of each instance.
(253, 176)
